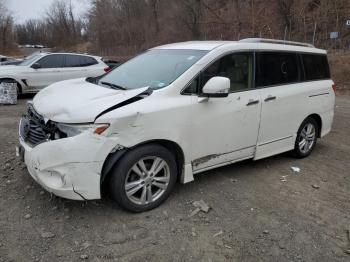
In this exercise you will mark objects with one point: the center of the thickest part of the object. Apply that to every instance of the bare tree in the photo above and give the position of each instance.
(60, 28)
(192, 15)
(65, 29)
(6, 30)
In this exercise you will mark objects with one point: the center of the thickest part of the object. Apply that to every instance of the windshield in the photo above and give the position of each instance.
(30, 59)
(156, 69)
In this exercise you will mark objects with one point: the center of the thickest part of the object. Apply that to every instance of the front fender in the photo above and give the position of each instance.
(15, 78)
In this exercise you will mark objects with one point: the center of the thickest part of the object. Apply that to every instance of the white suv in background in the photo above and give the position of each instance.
(43, 69)
(175, 111)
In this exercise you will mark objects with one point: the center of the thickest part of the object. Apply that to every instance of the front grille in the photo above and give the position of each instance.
(36, 134)
(33, 128)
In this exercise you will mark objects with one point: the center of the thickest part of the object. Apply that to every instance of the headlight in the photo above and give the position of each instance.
(73, 130)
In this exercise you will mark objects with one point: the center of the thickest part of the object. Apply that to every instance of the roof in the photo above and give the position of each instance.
(196, 45)
(66, 53)
(211, 45)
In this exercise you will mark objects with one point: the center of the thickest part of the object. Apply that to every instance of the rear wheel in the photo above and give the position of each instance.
(143, 178)
(306, 138)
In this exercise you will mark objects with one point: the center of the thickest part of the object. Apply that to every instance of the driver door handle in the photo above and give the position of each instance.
(252, 102)
(270, 98)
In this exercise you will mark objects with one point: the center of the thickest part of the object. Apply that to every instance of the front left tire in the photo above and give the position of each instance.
(144, 178)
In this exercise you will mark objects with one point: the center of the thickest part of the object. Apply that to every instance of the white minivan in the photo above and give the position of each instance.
(175, 111)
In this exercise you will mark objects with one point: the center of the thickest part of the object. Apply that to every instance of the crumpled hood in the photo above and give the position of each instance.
(78, 101)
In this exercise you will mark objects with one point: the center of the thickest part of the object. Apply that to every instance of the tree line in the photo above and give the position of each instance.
(128, 26)
(125, 27)
(60, 28)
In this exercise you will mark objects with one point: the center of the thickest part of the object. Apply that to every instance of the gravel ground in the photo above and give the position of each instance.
(260, 211)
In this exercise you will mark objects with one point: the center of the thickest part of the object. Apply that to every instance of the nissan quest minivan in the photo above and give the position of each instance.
(175, 111)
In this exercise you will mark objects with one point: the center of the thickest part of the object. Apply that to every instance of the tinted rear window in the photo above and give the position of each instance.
(315, 66)
(277, 68)
(79, 61)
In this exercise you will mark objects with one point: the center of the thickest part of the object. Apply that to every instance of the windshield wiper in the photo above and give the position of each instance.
(113, 86)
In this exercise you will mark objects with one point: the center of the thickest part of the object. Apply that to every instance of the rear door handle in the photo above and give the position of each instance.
(252, 102)
(270, 98)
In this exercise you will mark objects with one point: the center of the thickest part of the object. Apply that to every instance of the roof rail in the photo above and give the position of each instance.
(275, 41)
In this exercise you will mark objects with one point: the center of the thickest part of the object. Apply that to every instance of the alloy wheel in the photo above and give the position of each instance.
(147, 180)
(307, 138)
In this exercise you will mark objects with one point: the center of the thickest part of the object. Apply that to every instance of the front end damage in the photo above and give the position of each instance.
(69, 167)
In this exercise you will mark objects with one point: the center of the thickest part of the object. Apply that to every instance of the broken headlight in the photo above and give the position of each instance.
(66, 130)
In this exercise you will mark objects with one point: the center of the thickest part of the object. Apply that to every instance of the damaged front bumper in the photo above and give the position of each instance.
(69, 167)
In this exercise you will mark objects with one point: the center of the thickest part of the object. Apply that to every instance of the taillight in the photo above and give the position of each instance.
(334, 86)
(107, 69)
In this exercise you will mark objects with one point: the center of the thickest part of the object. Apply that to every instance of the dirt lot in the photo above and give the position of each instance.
(261, 211)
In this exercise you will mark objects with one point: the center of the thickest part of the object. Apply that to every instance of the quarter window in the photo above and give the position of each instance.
(88, 61)
(52, 61)
(315, 66)
(238, 67)
(277, 68)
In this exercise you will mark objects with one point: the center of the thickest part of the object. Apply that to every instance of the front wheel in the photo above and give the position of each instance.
(143, 178)
(306, 138)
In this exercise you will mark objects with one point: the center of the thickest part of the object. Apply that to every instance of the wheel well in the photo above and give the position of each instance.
(175, 149)
(14, 80)
(114, 158)
(318, 120)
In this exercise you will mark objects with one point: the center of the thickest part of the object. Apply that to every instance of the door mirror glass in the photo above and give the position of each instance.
(217, 86)
(36, 66)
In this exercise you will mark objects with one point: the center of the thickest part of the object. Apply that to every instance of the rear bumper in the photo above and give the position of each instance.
(327, 122)
(69, 168)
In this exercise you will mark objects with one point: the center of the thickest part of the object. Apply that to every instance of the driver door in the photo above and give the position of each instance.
(48, 73)
(225, 130)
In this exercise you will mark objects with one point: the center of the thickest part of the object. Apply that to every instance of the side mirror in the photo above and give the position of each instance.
(36, 66)
(216, 87)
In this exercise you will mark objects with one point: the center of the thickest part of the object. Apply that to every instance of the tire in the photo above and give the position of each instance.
(138, 191)
(306, 138)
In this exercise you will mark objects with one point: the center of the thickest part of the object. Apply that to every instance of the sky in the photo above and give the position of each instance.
(35, 9)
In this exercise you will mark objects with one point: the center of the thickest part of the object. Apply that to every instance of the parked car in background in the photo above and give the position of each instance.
(42, 69)
(12, 62)
(4, 60)
(175, 111)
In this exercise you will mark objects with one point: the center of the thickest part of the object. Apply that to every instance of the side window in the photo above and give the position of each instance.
(52, 61)
(277, 68)
(72, 61)
(316, 67)
(238, 67)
